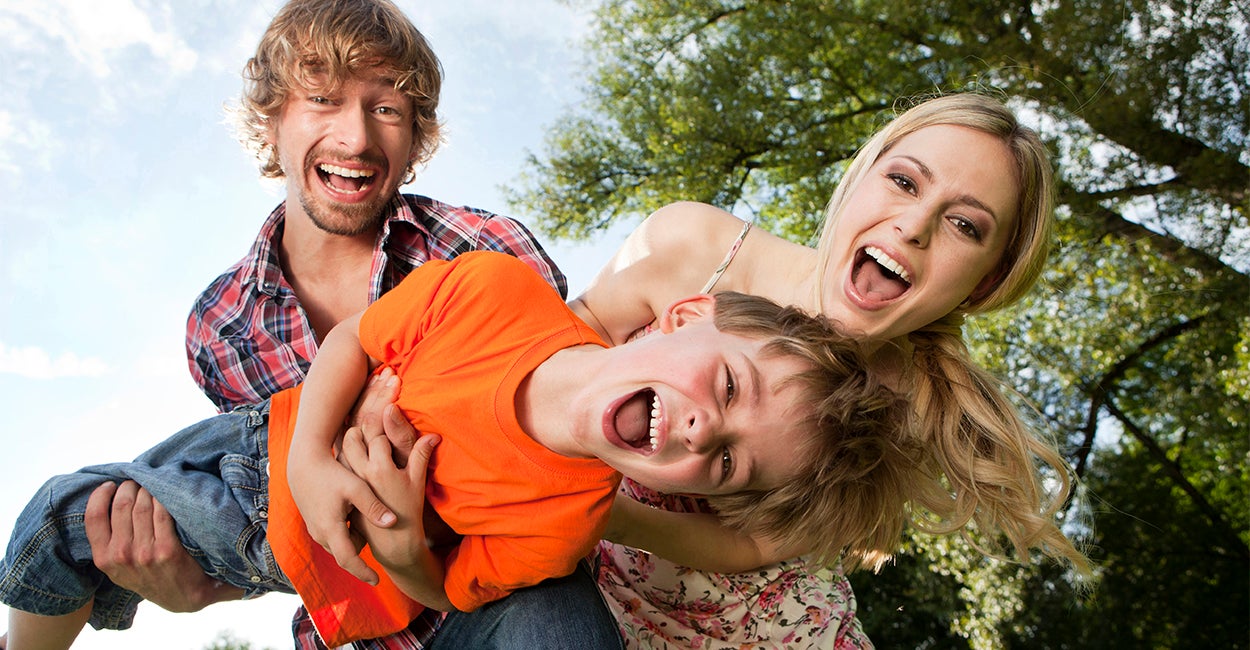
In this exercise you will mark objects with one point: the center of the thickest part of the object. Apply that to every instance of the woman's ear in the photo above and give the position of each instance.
(687, 310)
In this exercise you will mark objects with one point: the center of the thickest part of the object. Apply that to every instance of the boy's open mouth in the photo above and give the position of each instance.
(877, 276)
(637, 420)
(344, 180)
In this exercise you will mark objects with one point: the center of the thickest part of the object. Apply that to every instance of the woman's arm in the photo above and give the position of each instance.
(669, 256)
(324, 490)
(698, 541)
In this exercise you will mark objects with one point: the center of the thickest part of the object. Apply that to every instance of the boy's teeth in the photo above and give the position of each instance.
(345, 172)
(888, 262)
(655, 420)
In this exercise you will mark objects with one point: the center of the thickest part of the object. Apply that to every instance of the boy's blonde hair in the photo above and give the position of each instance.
(323, 43)
(855, 473)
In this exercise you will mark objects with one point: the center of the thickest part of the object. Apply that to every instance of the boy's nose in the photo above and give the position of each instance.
(698, 432)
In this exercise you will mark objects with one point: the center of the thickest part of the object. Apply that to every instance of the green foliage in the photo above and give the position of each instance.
(1135, 349)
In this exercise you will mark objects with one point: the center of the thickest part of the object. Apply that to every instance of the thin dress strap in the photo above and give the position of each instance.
(729, 257)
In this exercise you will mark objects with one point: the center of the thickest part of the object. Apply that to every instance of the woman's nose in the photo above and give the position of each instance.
(915, 226)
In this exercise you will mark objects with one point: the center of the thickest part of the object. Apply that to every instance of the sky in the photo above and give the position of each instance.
(124, 193)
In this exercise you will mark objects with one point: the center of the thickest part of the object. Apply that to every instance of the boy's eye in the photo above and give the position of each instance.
(726, 464)
(730, 388)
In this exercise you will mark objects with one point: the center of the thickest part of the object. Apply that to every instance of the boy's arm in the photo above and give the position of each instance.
(324, 490)
(403, 549)
(698, 541)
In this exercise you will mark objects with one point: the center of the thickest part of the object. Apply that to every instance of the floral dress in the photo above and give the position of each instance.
(658, 604)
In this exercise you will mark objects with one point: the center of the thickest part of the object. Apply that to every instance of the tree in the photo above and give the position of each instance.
(1136, 348)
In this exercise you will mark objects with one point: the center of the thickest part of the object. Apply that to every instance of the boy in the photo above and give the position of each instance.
(536, 418)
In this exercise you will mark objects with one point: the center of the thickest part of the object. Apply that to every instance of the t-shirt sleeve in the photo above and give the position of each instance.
(512, 237)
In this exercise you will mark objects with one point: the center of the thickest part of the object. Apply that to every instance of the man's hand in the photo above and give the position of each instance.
(134, 543)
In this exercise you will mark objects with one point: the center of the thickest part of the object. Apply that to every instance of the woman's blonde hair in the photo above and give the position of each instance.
(323, 43)
(982, 459)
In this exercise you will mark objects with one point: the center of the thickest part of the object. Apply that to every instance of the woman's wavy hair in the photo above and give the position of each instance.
(323, 43)
(983, 463)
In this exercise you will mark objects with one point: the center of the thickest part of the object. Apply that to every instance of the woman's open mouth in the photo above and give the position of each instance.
(877, 277)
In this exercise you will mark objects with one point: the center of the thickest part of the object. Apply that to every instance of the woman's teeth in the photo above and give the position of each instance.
(888, 262)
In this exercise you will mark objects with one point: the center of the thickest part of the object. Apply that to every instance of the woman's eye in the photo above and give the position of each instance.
(967, 227)
(903, 182)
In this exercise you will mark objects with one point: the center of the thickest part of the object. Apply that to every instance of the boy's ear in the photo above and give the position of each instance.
(686, 311)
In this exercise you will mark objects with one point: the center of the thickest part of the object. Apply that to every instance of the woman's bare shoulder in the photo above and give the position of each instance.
(690, 231)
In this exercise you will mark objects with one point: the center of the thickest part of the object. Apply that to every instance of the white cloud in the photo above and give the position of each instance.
(93, 33)
(36, 363)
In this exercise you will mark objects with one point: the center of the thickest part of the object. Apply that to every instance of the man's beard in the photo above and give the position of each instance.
(347, 220)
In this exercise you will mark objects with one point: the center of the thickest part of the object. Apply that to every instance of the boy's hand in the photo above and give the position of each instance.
(402, 549)
(326, 494)
(401, 488)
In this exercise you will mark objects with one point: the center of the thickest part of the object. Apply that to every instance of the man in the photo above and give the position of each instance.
(340, 102)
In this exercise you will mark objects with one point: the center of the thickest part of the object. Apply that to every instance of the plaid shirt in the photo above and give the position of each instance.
(248, 337)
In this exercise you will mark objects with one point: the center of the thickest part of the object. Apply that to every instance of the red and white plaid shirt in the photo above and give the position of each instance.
(247, 335)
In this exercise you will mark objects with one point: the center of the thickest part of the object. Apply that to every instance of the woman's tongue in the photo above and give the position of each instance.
(633, 419)
(876, 282)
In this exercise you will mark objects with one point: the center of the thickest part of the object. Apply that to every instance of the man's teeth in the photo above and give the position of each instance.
(655, 421)
(888, 262)
(345, 172)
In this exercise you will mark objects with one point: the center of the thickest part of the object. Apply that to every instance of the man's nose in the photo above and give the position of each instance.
(351, 129)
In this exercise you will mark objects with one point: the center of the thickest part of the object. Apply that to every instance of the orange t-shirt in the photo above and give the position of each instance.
(461, 335)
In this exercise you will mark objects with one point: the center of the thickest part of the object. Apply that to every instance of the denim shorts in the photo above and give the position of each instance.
(213, 479)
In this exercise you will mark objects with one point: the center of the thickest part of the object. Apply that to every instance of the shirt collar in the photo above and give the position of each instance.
(406, 241)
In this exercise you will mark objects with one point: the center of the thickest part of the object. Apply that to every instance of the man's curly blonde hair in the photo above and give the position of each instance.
(323, 43)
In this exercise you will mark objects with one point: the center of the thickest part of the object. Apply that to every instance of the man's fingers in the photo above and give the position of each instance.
(96, 519)
(141, 521)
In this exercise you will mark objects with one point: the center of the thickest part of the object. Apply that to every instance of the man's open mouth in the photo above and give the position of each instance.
(344, 180)
(637, 420)
(877, 276)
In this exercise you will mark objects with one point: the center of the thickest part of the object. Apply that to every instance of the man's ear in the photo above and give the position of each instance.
(687, 310)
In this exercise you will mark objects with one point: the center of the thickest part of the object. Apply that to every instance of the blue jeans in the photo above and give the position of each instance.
(211, 477)
(559, 613)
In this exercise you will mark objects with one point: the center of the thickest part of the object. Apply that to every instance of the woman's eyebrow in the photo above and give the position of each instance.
(966, 199)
